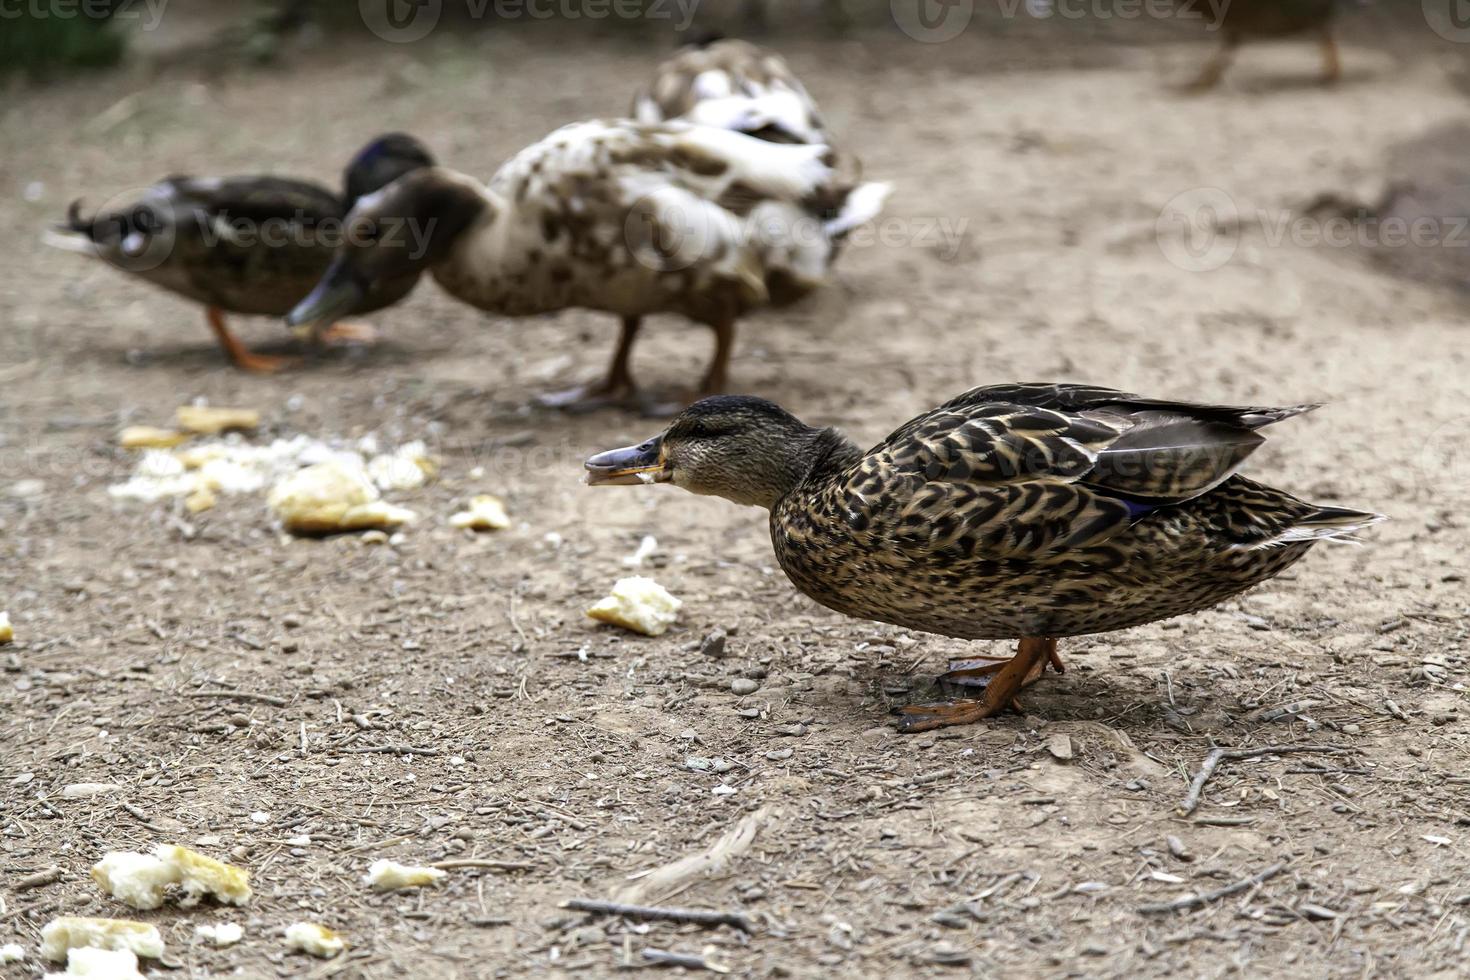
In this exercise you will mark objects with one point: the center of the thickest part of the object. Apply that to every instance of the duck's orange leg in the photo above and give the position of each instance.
(239, 355)
(349, 332)
(1032, 655)
(1214, 69)
(1331, 60)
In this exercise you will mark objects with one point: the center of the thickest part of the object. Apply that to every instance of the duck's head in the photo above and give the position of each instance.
(381, 162)
(389, 238)
(744, 449)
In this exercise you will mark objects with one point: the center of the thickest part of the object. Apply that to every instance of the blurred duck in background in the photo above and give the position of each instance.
(735, 85)
(251, 244)
(1240, 20)
(619, 216)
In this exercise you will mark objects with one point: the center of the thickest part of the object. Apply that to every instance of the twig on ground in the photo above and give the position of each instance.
(1217, 756)
(390, 750)
(234, 695)
(1195, 901)
(483, 863)
(40, 879)
(707, 917)
(660, 882)
(691, 961)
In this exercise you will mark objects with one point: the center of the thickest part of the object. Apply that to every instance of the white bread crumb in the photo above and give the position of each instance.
(639, 604)
(387, 876)
(7, 632)
(331, 497)
(99, 964)
(12, 953)
(308, 937)
(73, 932)
(484, 513)
(224, 934)
(141, 880)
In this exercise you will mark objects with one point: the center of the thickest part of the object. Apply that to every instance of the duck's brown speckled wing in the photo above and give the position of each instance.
(1020, 471)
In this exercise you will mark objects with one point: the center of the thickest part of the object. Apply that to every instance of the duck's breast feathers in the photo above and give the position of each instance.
(735, 85)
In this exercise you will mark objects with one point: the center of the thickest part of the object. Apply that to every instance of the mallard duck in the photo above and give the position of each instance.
(1240, 20)
(619, 216)
(1030, 511)
(732, 85)
(253, 245)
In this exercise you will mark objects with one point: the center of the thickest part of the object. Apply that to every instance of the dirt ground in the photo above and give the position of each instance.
(578, 756)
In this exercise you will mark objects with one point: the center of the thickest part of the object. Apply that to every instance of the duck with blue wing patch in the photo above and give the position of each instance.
(1028, 511)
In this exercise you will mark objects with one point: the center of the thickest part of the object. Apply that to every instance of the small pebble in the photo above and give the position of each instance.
(713, 645)
(743, 686)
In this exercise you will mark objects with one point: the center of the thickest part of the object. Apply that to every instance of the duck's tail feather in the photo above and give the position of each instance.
(1335, 524)
(75, 235)
(862, 203)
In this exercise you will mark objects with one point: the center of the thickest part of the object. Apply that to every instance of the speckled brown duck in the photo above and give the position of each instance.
(1029, 511)
(619, 216)
(1237, 21)
(732, 84)
(252, 245)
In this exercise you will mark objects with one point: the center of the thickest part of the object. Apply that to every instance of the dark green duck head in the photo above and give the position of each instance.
(745, 449)
(380, 163)
(391, 236)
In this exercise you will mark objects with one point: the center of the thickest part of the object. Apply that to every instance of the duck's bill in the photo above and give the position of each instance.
(643, 463)
(336, 296)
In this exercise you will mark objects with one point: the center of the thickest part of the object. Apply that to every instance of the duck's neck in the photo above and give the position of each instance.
(816, 455)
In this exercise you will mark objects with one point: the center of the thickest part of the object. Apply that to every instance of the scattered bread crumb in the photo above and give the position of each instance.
(81, 791)
(224, 934)
(12, 953)
(387, 876)
(73, 932)
(331, 497)
(308, 937)
(150, 437)
(99, 964)
(209, 421)
(140, 880)
(136, 880)
(201, 875)
(200, 500)
(644, 551)
(7, 632)
(485, 513)
(407, 468)
(639, 604)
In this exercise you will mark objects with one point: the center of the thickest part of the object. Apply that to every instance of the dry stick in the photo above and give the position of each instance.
(1217, 756)
(48, 877)
(692, 961)
(1195, 901)
(391, 750)
(270, 699)
(707, 917)
(483, 863)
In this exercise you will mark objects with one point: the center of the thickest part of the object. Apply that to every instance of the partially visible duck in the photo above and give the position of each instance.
(624, 217)
(1240, 20)
(735, 85)
(1030, 511)
(249, 244)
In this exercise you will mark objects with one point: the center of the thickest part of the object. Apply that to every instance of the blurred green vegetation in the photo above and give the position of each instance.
(42, 39)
